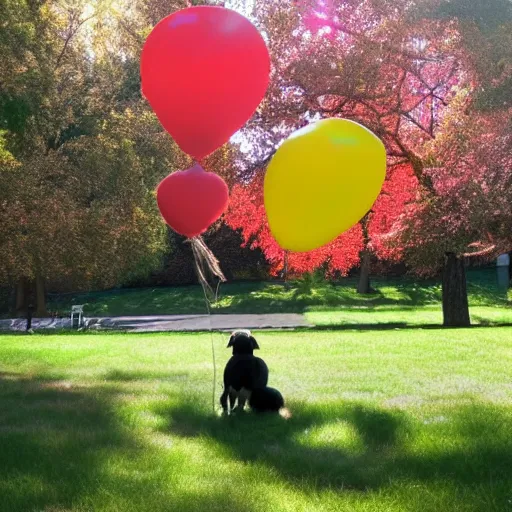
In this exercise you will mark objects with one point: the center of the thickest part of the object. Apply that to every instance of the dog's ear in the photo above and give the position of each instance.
(231, 340)
(255, 345)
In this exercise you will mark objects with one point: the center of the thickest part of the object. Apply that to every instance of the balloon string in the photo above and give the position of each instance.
(206, 263)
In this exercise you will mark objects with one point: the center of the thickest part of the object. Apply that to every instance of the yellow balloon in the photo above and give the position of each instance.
(322, 180)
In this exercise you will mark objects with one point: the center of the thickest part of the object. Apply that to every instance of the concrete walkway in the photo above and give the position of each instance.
(175, 323)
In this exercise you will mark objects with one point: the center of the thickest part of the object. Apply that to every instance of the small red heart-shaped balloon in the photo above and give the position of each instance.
(204, 71)
(190, 201)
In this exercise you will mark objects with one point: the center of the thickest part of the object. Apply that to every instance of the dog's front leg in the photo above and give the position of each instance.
(233, 395)
(243, 396)
(224, 400)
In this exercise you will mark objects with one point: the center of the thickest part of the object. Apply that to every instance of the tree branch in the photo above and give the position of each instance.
(71, 33)
(389, 47)
(482, 252)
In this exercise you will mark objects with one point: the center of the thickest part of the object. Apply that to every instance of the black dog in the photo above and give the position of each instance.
(244, 372)
(266, 400)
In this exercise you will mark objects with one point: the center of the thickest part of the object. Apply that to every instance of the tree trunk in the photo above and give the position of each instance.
(40, 298)
(363, 286)
(285, 271)
(21, 297)
(455, 295)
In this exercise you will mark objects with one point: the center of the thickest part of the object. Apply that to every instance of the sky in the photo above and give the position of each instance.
(244, 7)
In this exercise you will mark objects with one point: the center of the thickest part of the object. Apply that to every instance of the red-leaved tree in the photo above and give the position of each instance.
(410, 71)
(371, 62)
(467, 213)
(247, 214)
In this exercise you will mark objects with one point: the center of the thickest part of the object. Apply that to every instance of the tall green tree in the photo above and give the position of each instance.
(82, 151)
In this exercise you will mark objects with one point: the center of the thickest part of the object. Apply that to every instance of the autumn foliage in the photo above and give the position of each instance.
(247, 214)
(468, 211)
(408, 71)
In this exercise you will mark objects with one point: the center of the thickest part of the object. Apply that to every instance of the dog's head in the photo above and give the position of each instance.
(243, 342)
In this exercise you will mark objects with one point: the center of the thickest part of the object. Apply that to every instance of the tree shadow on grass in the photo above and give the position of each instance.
(276, 441)
(135, 301)
(51, 441)
(271, 296)
(116, 375)
(404, 293)
(351, 446)
(390, 326)
(63, 448)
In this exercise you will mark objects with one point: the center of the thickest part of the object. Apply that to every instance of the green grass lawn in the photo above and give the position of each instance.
(396, 303)
(410, 420)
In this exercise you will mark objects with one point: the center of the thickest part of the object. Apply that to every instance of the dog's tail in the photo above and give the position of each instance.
(285, 413)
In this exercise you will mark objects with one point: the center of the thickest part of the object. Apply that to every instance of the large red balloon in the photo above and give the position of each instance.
(190, 201)
(204, 71)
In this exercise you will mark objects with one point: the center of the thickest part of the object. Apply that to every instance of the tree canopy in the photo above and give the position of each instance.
(81, 151)
(407, 70)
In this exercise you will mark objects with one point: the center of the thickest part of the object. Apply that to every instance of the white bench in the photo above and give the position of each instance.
(77, 310)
